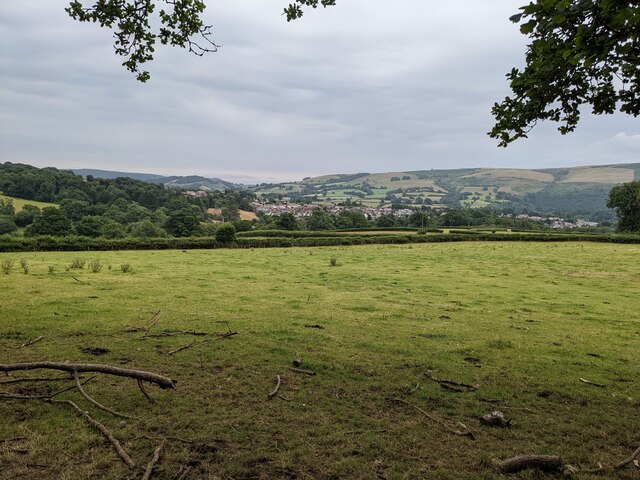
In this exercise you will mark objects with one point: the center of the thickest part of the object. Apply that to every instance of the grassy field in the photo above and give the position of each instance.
(19, 203)
(522, 321)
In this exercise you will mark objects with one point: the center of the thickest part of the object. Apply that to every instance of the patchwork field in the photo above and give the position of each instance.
(520, 323)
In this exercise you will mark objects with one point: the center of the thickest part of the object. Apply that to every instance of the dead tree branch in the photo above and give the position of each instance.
(95, 402)
(32, 341)
(465, 433)
(162, 382)
(155, 319)
(588, 382)
(627, 461)
(301, 370)
(275, 390)
(144, 392)
(156, 456)
(549, 463)
(105, 432)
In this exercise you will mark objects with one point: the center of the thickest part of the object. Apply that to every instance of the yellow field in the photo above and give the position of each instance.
(19, 203)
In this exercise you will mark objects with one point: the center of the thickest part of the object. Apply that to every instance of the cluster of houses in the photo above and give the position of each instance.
(557, 222)
(302, 210)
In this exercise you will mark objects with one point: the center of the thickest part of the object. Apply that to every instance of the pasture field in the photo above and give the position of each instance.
(19, 203)
(522, 322)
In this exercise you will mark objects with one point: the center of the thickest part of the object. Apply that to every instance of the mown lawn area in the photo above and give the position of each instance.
(524, 322)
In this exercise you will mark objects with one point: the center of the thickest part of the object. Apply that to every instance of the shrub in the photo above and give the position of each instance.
(333, 262)
(78, 263)
(95, 266)
(125, 267)
(7, 265)
(25, 265)
(52, 268)
(226, 233)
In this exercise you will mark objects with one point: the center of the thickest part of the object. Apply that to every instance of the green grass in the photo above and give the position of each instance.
(19, 203)
(538, 317)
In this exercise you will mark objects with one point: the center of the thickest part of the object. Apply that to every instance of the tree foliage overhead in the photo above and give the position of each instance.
(180, 25)
(180, 21)
(581, 52)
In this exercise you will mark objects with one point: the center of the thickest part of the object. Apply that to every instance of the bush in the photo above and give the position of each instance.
(52, 268)
(333, 262)
(226, 233)
(7, 265)
(125, 267)
(78, 263)
(7, 225)
(25, 265)
(95, 266)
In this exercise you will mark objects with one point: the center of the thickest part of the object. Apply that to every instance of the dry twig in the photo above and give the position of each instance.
(95, 402)
(588, 382)
(154, 460)
(105, 432)
(144, 392)
(275, 390)
(155, 319)
(32, 341)
(301, 370)
(465, 433)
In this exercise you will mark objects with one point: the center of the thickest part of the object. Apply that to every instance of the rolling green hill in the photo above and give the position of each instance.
(579, 190)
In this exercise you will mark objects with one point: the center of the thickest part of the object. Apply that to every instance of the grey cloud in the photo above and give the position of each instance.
(363, 86)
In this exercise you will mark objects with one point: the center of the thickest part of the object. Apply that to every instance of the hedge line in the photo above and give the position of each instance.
(45, 243)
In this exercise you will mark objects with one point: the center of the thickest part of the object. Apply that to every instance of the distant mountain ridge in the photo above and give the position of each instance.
(190, 182)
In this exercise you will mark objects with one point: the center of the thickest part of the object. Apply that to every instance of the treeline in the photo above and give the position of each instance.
(75, 243)
(109, 208)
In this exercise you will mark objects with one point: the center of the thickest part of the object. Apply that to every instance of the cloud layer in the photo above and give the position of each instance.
(363, 86)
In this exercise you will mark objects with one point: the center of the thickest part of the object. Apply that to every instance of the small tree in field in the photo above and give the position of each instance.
(226, 233)
(625, 199)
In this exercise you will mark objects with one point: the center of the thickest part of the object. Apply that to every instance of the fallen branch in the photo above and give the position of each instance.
(627, 461)
(183, 472)
(318, 326)
(95, 402)
(77, 279)
(105, 432)
(584, 380)
(155, 318)
(144, 392)
(301, 370)
(275, 390)
(32, 341)
(156, 456)
(43, 397)
(13, 439)
(179, 349)
(465, 433)
(189, 345)
(222, 336)
(173, 333)
(35, 379)
(162, 382)
(548, 463)
(454, 386)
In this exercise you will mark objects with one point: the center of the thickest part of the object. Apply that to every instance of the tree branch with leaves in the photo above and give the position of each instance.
(581, 52)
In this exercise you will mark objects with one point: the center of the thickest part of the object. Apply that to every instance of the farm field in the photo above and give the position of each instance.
(521, 323)
(19, 203)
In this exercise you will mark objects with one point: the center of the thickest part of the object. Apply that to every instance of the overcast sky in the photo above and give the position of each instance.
(368, 85)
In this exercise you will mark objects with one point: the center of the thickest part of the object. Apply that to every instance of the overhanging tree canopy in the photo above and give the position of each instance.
(181, 25)
(581, 52)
